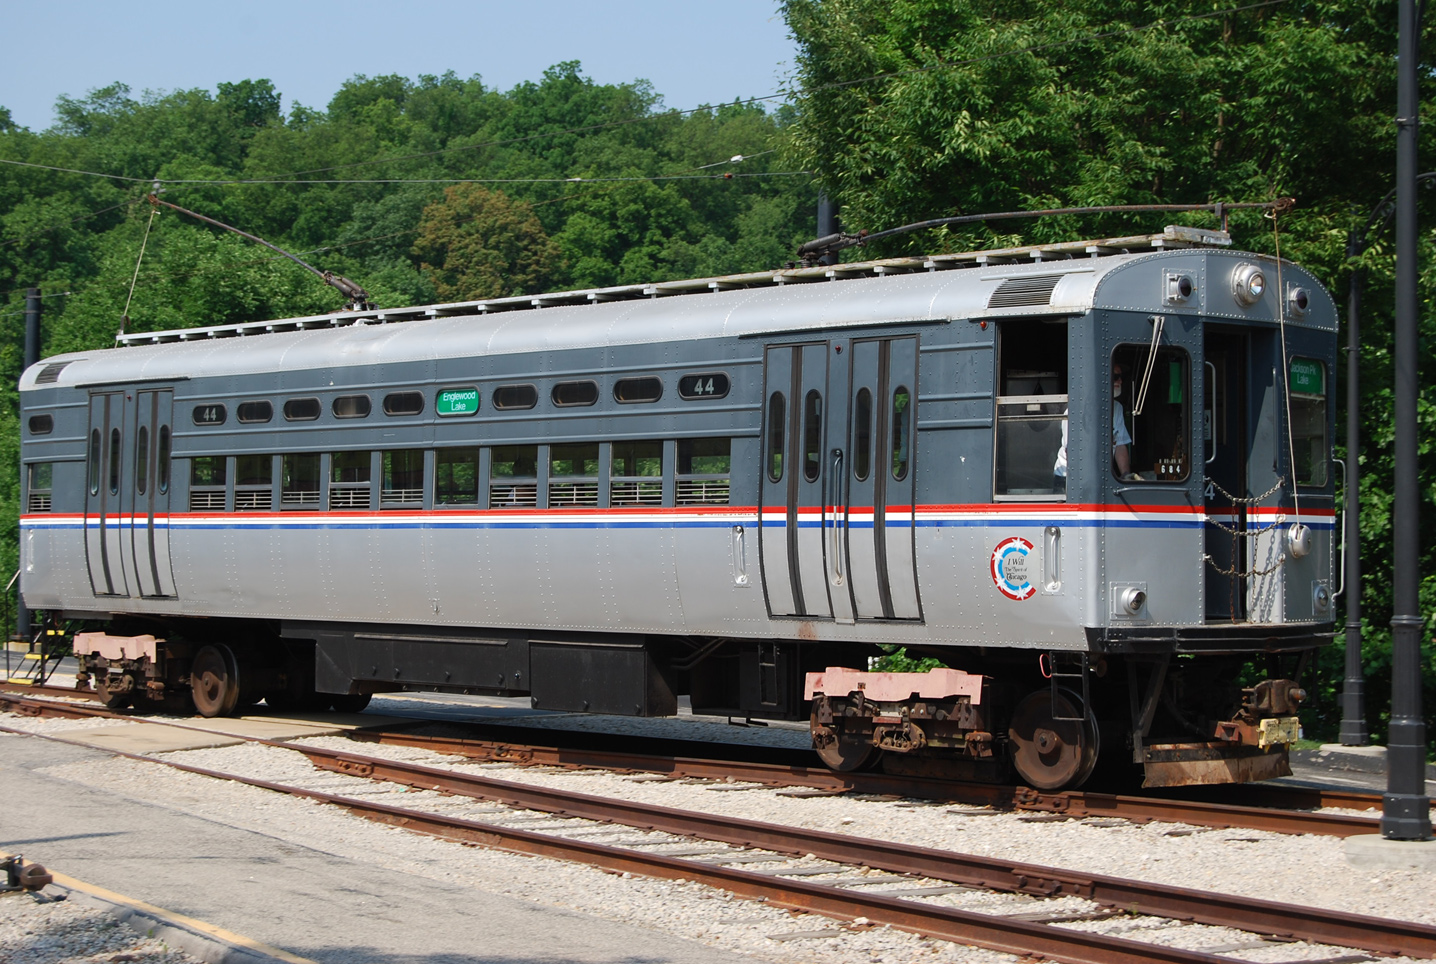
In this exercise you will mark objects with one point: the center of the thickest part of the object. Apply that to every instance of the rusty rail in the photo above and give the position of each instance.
(1007, 934)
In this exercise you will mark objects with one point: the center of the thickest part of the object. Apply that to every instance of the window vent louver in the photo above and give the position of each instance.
(1024, 292)
(50, 374)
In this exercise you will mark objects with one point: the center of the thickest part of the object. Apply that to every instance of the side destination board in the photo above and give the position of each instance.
(457, 401)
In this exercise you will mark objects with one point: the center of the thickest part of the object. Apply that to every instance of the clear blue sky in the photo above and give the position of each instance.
(694, 53)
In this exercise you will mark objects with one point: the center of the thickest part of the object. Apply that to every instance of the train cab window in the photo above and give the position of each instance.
(207, 477)
(902, 431)
(777, 424)
(704, 468)
(299, 478)
(114, 461)
(403, 403)
(1151, 402)
(142, 459)
(1307, 383)
(573, 474)
(513, 476)
(301, 409)
(251, 412)
(456, 477)
(636, 474)
(42, 484)
(95, 461)
(42, 424)
(574, 394)
(253, 483)
(515, 397)
(349, 474)
(1030, 456)
(164, 459)
(403, 478)
(351, 406)
(646, 389)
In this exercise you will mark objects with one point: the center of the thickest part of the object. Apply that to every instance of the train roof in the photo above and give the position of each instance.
(1059, 278)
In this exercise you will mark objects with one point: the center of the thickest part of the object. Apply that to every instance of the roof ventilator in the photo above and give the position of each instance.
(1026, 291)
(50, 374)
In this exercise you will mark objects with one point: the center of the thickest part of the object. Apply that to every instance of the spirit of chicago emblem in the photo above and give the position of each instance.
(1009, 568)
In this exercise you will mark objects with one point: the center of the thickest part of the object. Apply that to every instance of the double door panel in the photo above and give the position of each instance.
(1225, 447)
(837, 539)
(127, 494)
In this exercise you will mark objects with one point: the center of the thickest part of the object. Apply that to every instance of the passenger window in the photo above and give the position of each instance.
(351, 406)
(704, 468)
(404, 403)
(647, 389)
(1030, 461)
(636, 474)
(515, 397)
(253, 483)
(42, 482)
(349, 480)
(902, 432)
(299, 479)
(403, 482)
(812, 435)
(142, 458)
(513, 476)
(456, 477)
(164, 459)
(1149, 421)
(95, 461)
(301, 409)
(573, 474)
(207, 476)
(862, 434)
(251, 412)
(573, 394)
(777, 425)
(42, 424)
(114, 461)
(1307, 383)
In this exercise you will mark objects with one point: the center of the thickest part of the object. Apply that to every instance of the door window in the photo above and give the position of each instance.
(1150, 427)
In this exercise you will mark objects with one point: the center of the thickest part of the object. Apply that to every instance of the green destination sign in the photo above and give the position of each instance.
(1308, 376)
(458, 401)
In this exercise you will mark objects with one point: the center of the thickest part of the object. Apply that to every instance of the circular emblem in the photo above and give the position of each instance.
(1009, 568)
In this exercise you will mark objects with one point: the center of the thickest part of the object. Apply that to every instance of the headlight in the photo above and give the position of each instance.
(1248, 284)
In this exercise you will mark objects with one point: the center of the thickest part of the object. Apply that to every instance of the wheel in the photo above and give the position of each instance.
(350, 702)
(214, 681)
(1052, 754)
(839, 751)
(114, 699)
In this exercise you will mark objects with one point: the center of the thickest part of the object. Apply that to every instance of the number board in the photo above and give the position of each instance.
(1308, 376)
(209, 414)
(707, 385)
(457, 401)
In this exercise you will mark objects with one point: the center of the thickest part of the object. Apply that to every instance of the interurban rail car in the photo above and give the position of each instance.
(1092, 479)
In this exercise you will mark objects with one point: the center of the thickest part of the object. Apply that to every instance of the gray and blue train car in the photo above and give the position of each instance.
(1092, 479)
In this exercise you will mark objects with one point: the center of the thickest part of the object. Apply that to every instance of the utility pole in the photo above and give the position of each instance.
(32, 355)
(1405, 808)
(1353, 695)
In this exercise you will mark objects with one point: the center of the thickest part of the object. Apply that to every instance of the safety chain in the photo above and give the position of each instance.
(1281, 561)
(1232, 530)
(1237, 500)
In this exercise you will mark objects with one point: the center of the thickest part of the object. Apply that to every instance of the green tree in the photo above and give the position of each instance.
(478, 243)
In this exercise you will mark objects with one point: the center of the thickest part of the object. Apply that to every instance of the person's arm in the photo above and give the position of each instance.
(1123, 459)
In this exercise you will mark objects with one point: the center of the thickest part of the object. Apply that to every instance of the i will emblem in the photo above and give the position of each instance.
(1011, 568)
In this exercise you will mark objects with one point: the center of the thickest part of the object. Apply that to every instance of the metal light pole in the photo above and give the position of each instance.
(32, 355)
(1406, 811)
(1353, 695)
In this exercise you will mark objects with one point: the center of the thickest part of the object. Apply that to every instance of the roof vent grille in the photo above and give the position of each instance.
(50, 374)
(1023, 292)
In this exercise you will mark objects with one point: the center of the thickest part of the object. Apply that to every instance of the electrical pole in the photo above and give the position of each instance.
(1406, 811)
(32, 355)
(1353, 695)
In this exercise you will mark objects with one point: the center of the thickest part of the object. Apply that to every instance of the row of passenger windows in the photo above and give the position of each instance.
(462, 400)
(636, 474)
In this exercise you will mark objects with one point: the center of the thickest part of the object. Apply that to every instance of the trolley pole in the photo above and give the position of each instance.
(827, 222)
(32, 355)
(1405, 807)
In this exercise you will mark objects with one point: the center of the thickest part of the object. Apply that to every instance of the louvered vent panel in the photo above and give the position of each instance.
(1024, 292)
(51, 373)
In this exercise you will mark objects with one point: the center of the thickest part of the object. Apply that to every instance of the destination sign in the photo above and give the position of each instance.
(1308, 376)
(457, 401)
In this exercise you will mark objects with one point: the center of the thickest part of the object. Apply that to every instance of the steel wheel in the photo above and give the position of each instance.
(1052, 754)
(214, 681)
(845, 753)
(110, 698)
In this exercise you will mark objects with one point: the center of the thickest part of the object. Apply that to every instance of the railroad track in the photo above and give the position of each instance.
(728, 844)
(1282, 809)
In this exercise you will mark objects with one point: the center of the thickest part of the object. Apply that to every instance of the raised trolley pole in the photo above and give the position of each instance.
(1406, 811)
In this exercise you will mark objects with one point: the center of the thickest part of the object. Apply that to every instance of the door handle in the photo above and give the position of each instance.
(836, 542)
(1212, 387)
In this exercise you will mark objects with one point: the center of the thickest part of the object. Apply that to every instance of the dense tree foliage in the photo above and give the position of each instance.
(915, 109)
